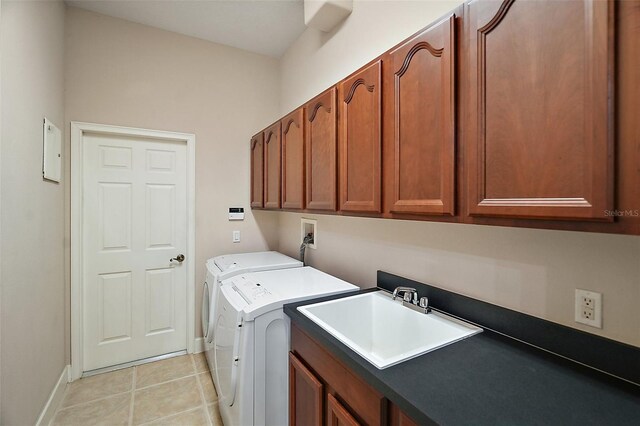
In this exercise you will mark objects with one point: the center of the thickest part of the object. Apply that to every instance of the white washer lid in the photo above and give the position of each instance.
(258, 261)
(269, 290)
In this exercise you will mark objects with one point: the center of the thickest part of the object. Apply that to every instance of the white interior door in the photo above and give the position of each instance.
(134, 221)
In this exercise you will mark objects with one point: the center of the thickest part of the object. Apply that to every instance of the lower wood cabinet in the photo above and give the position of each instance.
(324, 391)
(398, 418)
(337, 414)
(306, 407)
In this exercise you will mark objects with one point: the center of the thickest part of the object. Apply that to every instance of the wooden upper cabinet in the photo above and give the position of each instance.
(321, 151)
(293, 160)
(305, 395)
(257, 165)
(360, 140)
(420, 96)
(539, 139)
(272, 170)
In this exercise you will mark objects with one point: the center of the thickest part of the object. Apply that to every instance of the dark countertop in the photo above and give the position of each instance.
(490, 379)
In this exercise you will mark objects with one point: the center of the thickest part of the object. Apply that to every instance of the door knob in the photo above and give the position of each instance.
(179, 258)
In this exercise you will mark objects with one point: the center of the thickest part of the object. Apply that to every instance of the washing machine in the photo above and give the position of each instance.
(222, 267)
(253, 341)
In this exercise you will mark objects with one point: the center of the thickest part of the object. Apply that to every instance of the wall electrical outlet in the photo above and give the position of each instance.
(589, 308)
(236, 236)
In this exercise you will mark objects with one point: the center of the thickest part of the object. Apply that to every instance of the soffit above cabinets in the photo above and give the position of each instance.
(267, 27)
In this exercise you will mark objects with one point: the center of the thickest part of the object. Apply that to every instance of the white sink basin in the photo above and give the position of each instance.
(382, 330)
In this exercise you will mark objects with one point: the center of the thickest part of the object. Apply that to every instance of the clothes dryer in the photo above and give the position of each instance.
(253, 340)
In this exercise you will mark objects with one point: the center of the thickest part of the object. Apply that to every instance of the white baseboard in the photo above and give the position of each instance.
(199, 345)
(57, 393)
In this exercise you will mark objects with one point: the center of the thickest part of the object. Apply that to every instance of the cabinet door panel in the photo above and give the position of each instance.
(421, 90)
(293, 160)
(539, 130)
(398, 418)
(337, 414)
(321, 152)
(367, 404)
(305, 395)
(360, 140)
(272, 170)
(257, 175)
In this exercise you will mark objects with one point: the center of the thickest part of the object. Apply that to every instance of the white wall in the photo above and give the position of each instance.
(32, 210)
(123, 73)
(533, 271)
(0, 211)
(318, 60)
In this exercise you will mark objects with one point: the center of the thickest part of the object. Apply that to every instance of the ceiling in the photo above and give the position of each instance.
(267, 27)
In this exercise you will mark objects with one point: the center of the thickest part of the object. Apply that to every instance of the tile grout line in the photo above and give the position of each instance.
(170, 415)
(93, 400)
(61, 408)
(166, 381)
(202, 397)
(133, 389)
(198, 407)
(133, 392)
(193, 373)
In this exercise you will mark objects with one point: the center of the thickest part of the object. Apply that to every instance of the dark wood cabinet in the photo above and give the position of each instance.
(321, 151)
(419, 121)
(272, 172)
(257, 164)
(293, 160)
(360, 140)
(627, 131)
(305, 395)
(539, 111)
(346, 398)
(337, 414)
(501, 113)
(398, 418)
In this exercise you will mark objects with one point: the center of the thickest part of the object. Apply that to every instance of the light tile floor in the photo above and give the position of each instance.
(174, 391)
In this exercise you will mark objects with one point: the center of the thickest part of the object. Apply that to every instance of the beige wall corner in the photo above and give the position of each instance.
(32, 312)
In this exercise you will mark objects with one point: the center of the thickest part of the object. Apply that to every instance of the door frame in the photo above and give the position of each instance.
(78, 130)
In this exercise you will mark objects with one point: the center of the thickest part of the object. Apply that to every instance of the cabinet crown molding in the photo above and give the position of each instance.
(291, 121)
(355, 85)
(418, 46)
(497, 18)
(316, 107)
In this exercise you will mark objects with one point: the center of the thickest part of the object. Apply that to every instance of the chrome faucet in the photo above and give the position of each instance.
(410, 299)
(410, 294)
